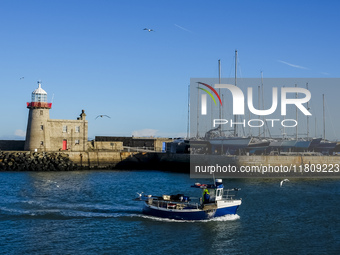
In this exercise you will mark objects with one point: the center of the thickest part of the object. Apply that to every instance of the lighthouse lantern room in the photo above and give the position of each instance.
(39, 99)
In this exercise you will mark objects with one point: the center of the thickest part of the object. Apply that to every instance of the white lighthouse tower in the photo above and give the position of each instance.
(36, 138)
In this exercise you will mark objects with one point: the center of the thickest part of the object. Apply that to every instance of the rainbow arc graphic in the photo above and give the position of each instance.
(204, 97)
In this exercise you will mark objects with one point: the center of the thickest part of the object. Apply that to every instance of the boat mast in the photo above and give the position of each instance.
(259, 99)
(219, 92)
(284, 128)
(315, 126)
(219, 73)
(188, 111)
(296, 135)
(235, 116)
(264, 127)
(198, 94)
(307, 115)
(324, 124)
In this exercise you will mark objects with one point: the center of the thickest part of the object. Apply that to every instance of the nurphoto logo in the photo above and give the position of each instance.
(238, 130)
(238, 99)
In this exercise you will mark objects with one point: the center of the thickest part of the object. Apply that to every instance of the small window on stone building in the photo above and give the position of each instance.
(77, 129)
(41, 112)
(41, 143)
(41, 127)
(77, 142)
(64, 129)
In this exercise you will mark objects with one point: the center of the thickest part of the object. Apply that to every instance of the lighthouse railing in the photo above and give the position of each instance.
(39, 105)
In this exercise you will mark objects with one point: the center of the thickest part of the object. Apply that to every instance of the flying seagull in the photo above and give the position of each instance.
(22, 78)
(103, 116)
(148, 29)
(285, 180)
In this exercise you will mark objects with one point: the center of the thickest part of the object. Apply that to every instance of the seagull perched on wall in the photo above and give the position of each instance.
(148, 29)
(103, 116)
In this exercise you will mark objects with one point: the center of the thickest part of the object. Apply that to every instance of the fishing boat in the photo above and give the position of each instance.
(214, 202)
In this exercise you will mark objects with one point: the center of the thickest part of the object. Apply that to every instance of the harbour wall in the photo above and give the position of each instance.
(131, 160)
(12, 145)
(256, 160)
(69, 160)
(56, 161)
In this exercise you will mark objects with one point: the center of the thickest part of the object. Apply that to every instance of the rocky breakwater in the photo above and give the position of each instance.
(27, 161)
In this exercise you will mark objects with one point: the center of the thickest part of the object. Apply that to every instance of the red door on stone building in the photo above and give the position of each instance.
(64, 145)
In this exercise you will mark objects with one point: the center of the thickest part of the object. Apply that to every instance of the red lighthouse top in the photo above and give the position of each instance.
(39, 99)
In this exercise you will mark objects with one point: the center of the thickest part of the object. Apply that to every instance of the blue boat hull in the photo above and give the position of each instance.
(190, 214)
(302, 144)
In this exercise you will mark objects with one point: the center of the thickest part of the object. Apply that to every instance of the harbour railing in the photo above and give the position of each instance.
(138, 149)
(173, 205)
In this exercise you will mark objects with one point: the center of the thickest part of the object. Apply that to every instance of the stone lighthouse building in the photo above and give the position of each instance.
(45, 134)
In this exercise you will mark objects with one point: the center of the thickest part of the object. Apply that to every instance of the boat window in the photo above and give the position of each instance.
(218, 192)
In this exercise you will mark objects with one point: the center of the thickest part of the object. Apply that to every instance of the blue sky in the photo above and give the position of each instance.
(95, 55)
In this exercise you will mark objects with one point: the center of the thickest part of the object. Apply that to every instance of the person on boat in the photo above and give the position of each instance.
(206, 196)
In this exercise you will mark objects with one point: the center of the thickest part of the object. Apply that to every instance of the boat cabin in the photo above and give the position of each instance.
(211, 192)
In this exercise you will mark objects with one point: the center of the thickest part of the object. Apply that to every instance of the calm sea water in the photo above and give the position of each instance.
(92, 212)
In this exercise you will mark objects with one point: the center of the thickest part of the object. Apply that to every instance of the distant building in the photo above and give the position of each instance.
(156, 144)
(45, 134)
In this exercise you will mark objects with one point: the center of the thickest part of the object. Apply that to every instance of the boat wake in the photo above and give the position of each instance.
(66, 212)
